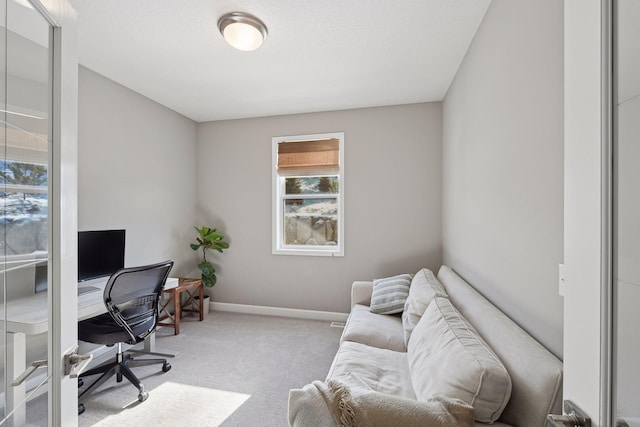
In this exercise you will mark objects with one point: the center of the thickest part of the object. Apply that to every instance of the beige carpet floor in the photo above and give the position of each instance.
(230, 370)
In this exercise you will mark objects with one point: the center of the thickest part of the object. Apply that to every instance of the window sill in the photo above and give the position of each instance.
(309, 252)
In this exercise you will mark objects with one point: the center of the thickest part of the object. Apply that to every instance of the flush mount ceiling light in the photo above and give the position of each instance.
(242, 31)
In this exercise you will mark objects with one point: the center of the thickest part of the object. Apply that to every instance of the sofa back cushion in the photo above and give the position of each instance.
(536, 374)
(424, 288)
(447, 356)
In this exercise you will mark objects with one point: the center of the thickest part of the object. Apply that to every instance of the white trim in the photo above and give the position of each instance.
(608, 376)
(63, 218)
(331, 316)
(22, 188)
(305, 251)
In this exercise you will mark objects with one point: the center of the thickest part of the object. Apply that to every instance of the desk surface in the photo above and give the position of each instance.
(30, 315)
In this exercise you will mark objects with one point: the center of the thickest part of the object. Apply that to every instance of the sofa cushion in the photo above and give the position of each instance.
(390, 294)
(380, 369)
(424, 288)
(447, 356)
(375, 330)
(536, 374)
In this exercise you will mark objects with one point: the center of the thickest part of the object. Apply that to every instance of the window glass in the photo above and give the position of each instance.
(25, 211)
(312, 185)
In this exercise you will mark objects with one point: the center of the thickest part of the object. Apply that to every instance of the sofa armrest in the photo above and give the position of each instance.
(361, 293)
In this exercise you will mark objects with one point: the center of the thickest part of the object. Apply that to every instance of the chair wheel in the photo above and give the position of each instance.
(81, 408)
(143, 396)
(166, 367)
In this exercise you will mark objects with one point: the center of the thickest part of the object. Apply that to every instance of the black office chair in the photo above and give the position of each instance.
(131, 296)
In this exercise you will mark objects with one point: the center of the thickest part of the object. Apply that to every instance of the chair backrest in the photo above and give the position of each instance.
(132, 296)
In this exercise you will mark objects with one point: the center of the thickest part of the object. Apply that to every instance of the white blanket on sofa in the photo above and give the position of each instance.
(355, 407)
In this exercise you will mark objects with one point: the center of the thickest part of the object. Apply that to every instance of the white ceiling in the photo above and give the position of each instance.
(319, 55)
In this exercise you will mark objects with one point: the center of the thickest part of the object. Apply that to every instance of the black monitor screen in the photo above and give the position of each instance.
(100, 253)
(41, 276)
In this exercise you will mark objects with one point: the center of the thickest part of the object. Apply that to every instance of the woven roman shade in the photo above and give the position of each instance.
(307, 158)
(18, 145)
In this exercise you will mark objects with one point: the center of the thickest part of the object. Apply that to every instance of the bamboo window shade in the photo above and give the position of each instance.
(305, 158)
(24, 147)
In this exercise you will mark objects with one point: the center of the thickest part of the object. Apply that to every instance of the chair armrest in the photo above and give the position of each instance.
(361, 293)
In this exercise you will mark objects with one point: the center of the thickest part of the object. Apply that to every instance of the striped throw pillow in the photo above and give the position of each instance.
(390, 294)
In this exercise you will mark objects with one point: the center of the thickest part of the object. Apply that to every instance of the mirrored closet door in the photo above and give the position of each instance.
(25, 113)
(626, 213)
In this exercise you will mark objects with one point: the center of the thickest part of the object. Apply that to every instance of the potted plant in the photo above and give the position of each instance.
(208, 238)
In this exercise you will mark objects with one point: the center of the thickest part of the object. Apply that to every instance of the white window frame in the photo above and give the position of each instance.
(279, 248)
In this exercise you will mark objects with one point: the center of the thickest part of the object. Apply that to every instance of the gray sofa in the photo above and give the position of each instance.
(449, 340)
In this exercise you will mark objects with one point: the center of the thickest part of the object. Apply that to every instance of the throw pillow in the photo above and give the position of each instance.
(390, 294)
(424, 288)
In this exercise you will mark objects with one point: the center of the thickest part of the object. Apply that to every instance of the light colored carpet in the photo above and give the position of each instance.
(231, 370)
(203, 406)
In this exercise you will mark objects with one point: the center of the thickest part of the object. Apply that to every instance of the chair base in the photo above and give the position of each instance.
(121, 367)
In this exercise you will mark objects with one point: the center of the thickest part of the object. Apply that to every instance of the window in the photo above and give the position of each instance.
(24, 184)
(308, 192)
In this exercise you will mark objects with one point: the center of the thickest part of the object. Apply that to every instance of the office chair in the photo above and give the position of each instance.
(131, 297)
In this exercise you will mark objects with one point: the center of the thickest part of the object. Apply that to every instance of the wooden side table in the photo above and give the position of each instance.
(193, 288)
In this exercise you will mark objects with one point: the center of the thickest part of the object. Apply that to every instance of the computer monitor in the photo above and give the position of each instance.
(100, 253)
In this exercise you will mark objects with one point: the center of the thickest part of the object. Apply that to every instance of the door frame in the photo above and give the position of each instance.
(62, 295)
(589, 225)
(607, 299)
(587, 207)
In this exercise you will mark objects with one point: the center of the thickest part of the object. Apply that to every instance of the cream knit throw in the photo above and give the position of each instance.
(355, 407)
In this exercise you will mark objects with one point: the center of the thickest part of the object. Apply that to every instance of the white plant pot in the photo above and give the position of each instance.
(205, 304)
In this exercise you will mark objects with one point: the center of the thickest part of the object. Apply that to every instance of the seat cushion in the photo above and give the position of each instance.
(424, 288)
(379, 369)
(447, 356)
(103, 329)
(376, 330)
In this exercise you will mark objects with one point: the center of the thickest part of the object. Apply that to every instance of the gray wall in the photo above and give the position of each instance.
(392, 203)
(136, 170)
(503, 165)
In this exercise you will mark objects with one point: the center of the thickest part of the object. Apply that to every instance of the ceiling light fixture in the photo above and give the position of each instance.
(242, 31)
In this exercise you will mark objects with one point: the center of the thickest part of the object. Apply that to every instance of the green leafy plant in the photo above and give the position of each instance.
(209, 238)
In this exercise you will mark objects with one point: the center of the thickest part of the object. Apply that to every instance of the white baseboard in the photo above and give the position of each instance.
(330, 316)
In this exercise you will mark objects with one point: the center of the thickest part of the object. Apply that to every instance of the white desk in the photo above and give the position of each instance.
(30, 316)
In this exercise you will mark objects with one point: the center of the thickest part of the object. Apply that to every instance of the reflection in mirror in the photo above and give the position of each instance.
(25, 138)
(626, 213)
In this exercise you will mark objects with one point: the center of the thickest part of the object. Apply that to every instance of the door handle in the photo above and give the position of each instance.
(75, 363)
(575, 417)
(566, 420)
(30, 370)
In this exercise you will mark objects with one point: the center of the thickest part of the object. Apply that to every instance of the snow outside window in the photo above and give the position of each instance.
(23, 208)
